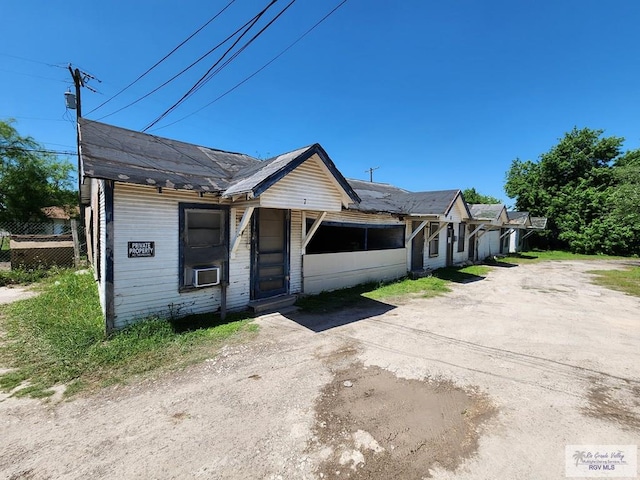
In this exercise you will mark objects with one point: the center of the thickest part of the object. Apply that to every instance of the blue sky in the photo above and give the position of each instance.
(437, 94)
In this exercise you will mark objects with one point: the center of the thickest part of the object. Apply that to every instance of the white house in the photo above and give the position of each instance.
(488, 225)
(176, 228)
(521, 227)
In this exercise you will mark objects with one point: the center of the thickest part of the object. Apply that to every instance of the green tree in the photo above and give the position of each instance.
(578, 186)
(30, 178)
(471, 195)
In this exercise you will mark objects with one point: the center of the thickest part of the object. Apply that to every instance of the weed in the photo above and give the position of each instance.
(627, 280)
(58, 338)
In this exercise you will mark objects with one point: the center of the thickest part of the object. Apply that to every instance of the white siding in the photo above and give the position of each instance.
(149, 286)
(489, 244)
(458, 212)
(295, 256)
(239, 291)
(308, 187)
(331, 271)
(431, 263)
(100, 209)
(459, 257)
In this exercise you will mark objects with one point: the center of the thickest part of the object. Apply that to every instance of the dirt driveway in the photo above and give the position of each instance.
(489, 381)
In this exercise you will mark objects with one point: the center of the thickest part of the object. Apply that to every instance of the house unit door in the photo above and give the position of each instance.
(417, 248)
(270, 253)
(450, 244)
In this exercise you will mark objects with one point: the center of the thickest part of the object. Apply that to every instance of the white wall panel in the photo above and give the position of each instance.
(489, 244)
(306, 188)
(149, 286)
(295, 257)
(331, 271)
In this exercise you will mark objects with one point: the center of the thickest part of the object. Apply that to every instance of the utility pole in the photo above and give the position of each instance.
(78, 82)
(80, 79)
(370, 171)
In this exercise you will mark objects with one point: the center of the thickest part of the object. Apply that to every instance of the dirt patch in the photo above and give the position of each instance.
(614, 404)
(372, 425)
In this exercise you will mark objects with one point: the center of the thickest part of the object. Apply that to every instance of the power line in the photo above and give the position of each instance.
(34, 76)
(241, 49)
(239, 84)
(183, 70)
(42, 150)
(203, 78)
(166, 56)
(33, 61)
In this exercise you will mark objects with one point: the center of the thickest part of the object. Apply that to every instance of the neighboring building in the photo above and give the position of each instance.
(486, 236)
(177, 228)
(521, 227)
(512, 233)
(59, 220)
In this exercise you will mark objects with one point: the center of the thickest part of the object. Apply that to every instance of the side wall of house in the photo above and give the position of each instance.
(331, 271)
(149, 286)
(98, 206)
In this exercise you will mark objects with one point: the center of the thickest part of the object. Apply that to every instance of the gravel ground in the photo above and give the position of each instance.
(508, 370)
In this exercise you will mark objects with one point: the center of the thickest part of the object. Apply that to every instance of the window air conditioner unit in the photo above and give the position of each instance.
(206, 276)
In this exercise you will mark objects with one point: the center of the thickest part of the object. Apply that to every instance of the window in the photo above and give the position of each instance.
(203, 240)
(334, 237)
(462, 228)
(434, 244)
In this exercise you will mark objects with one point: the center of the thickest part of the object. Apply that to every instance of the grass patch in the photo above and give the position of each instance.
(426, 287)
(627, 281)
(58, 338)
(553, 255)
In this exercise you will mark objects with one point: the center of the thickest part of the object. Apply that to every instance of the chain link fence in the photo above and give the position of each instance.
(41, 245)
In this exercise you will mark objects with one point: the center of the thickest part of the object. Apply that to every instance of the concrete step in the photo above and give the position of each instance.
(272, 304)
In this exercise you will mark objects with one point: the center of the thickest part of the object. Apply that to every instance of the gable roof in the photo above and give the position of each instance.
(519, 219)
(438, 202)
(255, 179)
(386, 198)
(539, 223)
(122, 155)
(115, 153)
(486, 211)
(376, 197)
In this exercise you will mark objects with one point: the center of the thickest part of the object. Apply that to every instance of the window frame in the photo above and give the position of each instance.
(184, 208)
(462, 233)
(365, 227)
(435, 242)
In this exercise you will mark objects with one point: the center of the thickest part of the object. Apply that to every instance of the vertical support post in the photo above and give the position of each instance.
(76, 243)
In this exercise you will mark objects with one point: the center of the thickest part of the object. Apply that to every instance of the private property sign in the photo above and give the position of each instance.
(141, 249)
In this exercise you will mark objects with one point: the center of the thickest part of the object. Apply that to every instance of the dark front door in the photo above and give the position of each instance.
(450, 244)
(270, 253)
(417, 248)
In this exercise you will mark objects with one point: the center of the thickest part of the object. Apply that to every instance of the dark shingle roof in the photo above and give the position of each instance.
(376, 197)
(429, 203)
(123, 155)
(385, 198)
(114, 153)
